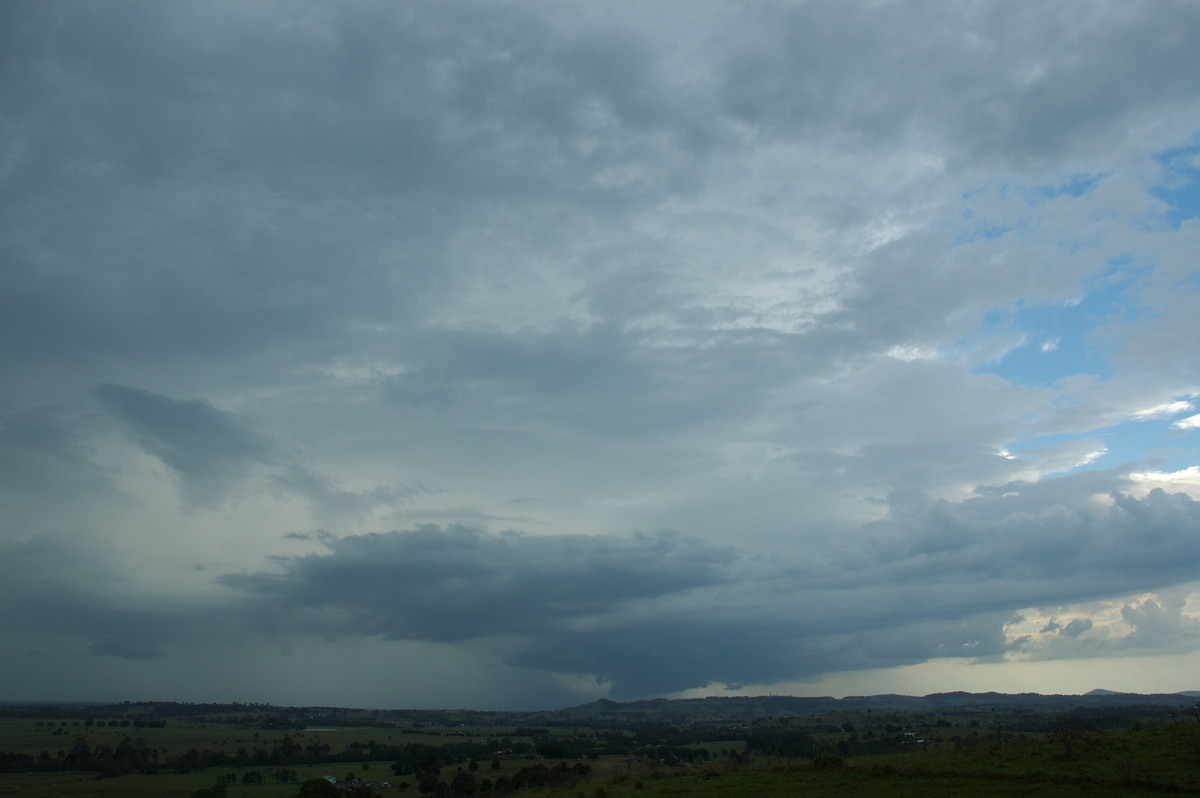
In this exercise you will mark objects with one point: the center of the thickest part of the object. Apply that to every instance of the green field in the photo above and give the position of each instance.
(1149, 761)
(957, 753)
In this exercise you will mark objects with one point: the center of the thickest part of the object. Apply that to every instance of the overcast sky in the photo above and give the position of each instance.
(515, 354)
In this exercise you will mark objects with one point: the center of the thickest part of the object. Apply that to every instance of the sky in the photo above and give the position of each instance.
(514, 354)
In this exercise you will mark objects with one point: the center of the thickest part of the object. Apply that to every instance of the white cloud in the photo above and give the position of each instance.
(1191, 422)
(1165, 410)
(910, 352)
(1186, 480)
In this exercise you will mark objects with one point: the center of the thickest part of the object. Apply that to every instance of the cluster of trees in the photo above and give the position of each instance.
(221, 788)
(134, 756)
(465, 783)
(781, 741)
(137, 722)
(281, 775)
(560, 776)
(129, 756)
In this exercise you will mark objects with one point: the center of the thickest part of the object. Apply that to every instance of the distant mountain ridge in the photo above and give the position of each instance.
(713, 709)
(742, 708)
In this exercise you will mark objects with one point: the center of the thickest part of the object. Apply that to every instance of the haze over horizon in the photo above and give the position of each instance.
(510, 355)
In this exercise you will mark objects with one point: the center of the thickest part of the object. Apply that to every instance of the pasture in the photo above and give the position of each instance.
(264, 755)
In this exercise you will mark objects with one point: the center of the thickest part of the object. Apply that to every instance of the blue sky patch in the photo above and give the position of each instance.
(1152, 444)
(1181, 188)
(1059, 338)
(977, 223)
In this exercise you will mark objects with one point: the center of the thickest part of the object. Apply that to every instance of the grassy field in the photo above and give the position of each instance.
(1143, 762)
(165, 785)
(1145, 759)
(1163, 762)
(25, 736)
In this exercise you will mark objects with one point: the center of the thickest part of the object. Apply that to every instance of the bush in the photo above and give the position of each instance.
(318, 788)
(828, 762)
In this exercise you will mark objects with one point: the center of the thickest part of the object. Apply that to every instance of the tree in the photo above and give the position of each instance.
(463, 784)
(318, 788)
(1066, 730)
(427, 782)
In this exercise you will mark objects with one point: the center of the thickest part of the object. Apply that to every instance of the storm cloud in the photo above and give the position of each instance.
(932, 580)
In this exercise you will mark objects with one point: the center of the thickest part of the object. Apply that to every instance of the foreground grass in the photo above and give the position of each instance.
(166, 785)
(25, 736)
(1147, 762)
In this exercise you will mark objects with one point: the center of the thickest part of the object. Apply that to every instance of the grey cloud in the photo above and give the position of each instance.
(210, 449)
(655, 613)
(45, 454)
(67, 587)
(298, 536)
(599, 380)
(1129, 542)
(981, 85)
(458, 583)
(317, 210)
(665, 656)
(335, 502)
(1159, 625)
(215, 453)
(657, 267)
(429, 98)
(664, 613)
(1156, 625)
(553, 602)
(126, 647)
(1077, 626)
(385, 158)
(604, 383)
(676, 654)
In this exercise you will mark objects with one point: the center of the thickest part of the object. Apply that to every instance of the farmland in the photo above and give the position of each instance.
(882, 745)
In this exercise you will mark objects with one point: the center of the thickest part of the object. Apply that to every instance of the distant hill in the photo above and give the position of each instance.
(739, 708)
(732, 709)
